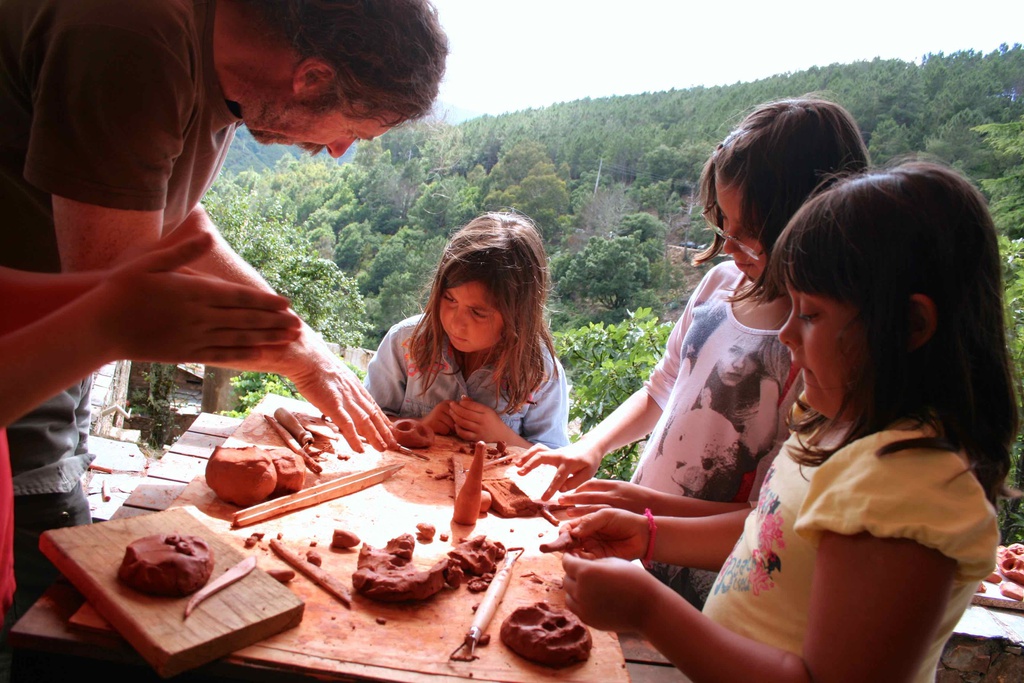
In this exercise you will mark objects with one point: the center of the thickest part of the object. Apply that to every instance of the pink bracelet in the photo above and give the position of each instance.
(652, 528)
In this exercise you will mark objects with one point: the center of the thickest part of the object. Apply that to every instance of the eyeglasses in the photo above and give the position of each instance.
(713, 217)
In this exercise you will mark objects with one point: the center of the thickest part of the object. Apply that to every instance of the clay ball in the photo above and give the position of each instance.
(291, 472)
(167, 564)
(413, 434)
(242, 476)
(546, 635)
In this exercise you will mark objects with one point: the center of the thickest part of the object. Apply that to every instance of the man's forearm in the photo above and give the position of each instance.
(222, 261)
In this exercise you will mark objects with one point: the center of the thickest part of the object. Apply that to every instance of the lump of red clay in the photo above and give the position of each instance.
(242, 476)
(247, 476)
(313, 557)
(167, 564)
(388, 575)
(343, 539)
(281, 575)
(425, 532)
(412, 433)
(478, 556)
(546, 635)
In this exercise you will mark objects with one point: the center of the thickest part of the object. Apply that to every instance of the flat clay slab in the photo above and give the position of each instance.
(242, 614)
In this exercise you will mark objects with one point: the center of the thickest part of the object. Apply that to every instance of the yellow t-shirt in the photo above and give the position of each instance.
(927, 496)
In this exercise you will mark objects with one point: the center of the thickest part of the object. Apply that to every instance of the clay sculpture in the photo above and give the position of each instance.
(249, 475)
(467, 500)
(167, 564)
(546, 635)
(413, 433)
(389, 575)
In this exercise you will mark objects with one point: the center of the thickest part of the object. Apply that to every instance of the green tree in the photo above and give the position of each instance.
(608, 272)
(606, 365)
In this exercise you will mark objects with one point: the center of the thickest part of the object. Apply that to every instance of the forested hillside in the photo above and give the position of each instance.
(609, 181)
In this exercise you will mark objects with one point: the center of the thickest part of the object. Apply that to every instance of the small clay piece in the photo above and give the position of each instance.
(467, 500)
(313, 557)
(412, 433)
(565, 541)
(344, 539)
(389, 575)
(167, 564)
(994, 577)
(484, 641)
(282, 575)
(500, 446)
(478, 556)
(545, 635)
(251, 541)
(242, 476)
(425, 532)
(509, 500)
(479, 584)
(485, 500)
(981, 588)
(1012, 590)
(443, 538)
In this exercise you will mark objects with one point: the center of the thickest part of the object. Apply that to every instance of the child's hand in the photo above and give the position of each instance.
(588, 583)
(576, 463)
(153, 313)
(618, 494)
(476, 422)
(439, 419)
(610, 533)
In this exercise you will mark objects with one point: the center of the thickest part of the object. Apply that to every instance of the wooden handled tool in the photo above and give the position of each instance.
(336, 488)
(291, 423)
(489, 605)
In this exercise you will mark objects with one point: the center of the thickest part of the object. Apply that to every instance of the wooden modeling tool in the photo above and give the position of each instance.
(489, 605)
(314, 495)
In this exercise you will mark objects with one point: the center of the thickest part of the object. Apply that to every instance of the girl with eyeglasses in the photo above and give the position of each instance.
(714, 410)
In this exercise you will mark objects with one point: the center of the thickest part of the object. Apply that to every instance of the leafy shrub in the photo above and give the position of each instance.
(606, 364)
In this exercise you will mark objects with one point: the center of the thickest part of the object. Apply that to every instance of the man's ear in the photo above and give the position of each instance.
(312, 77)
(923, 321)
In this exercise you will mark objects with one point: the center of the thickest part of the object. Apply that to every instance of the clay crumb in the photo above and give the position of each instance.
(313, 557)
(279, 535)
(251, 541)
(381, 620)
(425, 532)
(443, 538)
(484, 641)
(312, 544)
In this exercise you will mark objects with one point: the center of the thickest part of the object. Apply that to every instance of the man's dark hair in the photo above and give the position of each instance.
(389, 55)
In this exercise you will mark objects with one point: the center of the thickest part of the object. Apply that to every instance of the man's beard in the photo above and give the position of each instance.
(267, 138)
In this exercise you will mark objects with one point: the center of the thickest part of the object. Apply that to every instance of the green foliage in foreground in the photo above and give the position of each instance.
(606, 364)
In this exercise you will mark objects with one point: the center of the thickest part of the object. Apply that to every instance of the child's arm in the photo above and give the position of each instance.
(140, 311)
(636, 498)
(699, 542)
(875, 604)
(577, 462)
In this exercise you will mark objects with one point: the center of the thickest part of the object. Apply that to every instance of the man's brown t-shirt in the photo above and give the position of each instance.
(107, 102)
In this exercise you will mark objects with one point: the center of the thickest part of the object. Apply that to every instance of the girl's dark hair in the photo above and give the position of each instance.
(779, 155)
(503, 252)
(873, 241)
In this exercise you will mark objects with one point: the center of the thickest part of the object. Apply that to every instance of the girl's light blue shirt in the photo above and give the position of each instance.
(398, 387)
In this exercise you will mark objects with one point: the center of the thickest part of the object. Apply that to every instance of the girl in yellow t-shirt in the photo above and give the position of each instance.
(876, 521)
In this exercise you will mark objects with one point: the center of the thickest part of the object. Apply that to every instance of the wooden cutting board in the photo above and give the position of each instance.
(238, 616)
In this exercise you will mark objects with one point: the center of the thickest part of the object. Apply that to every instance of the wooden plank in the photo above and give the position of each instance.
(196, 444)
(128, 511)
(177, 467)
(240, 615)
(155, 494)
(215, 425)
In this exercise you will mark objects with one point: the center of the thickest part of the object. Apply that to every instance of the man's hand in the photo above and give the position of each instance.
(324, 380)
(576, 463)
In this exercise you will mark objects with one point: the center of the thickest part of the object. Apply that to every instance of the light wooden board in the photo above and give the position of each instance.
(400, 642)
(244, 613)
(993, 598)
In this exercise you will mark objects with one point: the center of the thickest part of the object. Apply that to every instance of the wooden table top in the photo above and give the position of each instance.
(373, 641)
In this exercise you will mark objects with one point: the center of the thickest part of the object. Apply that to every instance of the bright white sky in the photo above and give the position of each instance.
(512, 55)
